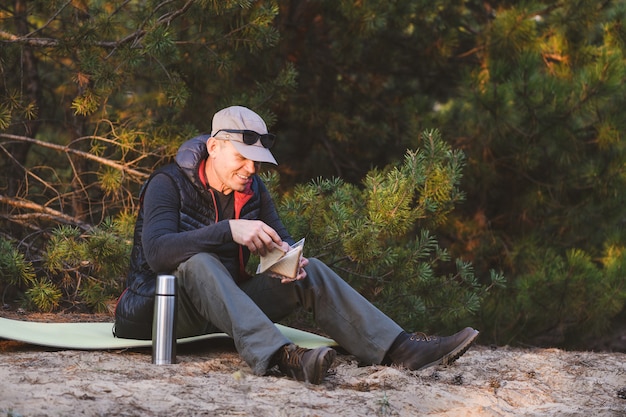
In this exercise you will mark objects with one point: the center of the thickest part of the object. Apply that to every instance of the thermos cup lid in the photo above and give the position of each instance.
(166, 285)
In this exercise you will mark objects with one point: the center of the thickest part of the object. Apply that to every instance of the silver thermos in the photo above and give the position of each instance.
(164, 321)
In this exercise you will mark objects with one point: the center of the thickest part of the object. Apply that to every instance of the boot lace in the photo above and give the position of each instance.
(422, 337)
(291, 356)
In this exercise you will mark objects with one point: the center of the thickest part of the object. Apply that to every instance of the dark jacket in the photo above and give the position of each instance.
(180, 221)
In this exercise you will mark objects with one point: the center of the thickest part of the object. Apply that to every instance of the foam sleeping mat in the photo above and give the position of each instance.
(99, 336)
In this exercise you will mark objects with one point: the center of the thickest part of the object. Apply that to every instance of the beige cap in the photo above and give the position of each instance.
(242, 118)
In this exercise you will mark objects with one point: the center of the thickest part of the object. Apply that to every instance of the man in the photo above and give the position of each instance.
(202, 216)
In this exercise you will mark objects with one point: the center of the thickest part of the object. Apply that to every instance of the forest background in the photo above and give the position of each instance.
(459, 162)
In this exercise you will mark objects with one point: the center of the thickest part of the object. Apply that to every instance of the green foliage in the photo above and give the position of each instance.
(540, 118)
(110, 180)
(5, 117)
(129, 81)
(64, 250)
(78, 268)
(14, 268)
(368, 77)
(107, 91)
(562, 299)
(44, 295)
(95, 95)
(92, 293)
(86, 104)
(376, 237)
(158, 43)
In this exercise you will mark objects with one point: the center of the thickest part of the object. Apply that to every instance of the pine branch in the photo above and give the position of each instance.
(50, 20)
(11, 38)
(122, 167)
(41, 211)
(166, 19)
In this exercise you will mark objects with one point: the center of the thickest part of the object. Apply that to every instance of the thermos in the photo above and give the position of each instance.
(164, 321)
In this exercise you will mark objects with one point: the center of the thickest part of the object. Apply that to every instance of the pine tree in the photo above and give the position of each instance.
(377, 236)
(540, 119)
(95, 95)
(369, 73)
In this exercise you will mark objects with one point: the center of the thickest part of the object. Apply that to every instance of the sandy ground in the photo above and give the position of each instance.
(209, 379)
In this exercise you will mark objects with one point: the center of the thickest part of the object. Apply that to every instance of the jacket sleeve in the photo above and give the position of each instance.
(165, 247)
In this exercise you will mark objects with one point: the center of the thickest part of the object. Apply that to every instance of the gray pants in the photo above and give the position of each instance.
(209, 300)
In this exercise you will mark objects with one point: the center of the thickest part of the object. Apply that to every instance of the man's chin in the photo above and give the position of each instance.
(239, 188)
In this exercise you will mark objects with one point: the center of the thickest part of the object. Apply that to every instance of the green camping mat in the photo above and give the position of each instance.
(95, 336)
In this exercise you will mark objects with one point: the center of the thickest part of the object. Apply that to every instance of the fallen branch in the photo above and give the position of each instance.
(39, 211)
(67, 149)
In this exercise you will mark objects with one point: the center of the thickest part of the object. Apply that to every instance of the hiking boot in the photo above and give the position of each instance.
(308, 365)
(418, 351)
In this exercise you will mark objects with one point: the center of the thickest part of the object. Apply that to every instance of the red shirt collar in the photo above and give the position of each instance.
(202, 173)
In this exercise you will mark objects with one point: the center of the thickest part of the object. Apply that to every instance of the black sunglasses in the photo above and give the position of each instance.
(250, 137)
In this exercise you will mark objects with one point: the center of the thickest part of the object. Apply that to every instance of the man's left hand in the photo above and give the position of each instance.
(301, 272)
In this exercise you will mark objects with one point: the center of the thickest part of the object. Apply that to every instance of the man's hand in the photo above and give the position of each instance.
(257, 236)
(301, 272)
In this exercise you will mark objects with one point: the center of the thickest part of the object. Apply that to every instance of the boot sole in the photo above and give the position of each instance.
(323, 361)
(456, 353)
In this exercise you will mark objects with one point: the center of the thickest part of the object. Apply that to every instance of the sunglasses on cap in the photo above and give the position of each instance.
(250, 137)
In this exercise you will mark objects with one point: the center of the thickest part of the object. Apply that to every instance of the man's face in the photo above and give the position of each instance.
(227, 169)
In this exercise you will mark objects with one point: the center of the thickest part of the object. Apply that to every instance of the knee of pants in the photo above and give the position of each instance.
(315, 263)
(319, 273)
(202, 266)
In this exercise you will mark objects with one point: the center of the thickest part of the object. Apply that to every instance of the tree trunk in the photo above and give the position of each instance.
(31, 93)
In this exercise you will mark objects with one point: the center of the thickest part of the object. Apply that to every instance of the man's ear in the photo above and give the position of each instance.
(211, 145)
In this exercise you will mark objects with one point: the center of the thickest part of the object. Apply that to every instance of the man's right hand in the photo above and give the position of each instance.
(257, 236)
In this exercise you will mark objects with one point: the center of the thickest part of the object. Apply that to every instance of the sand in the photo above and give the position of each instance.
(210, 379)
